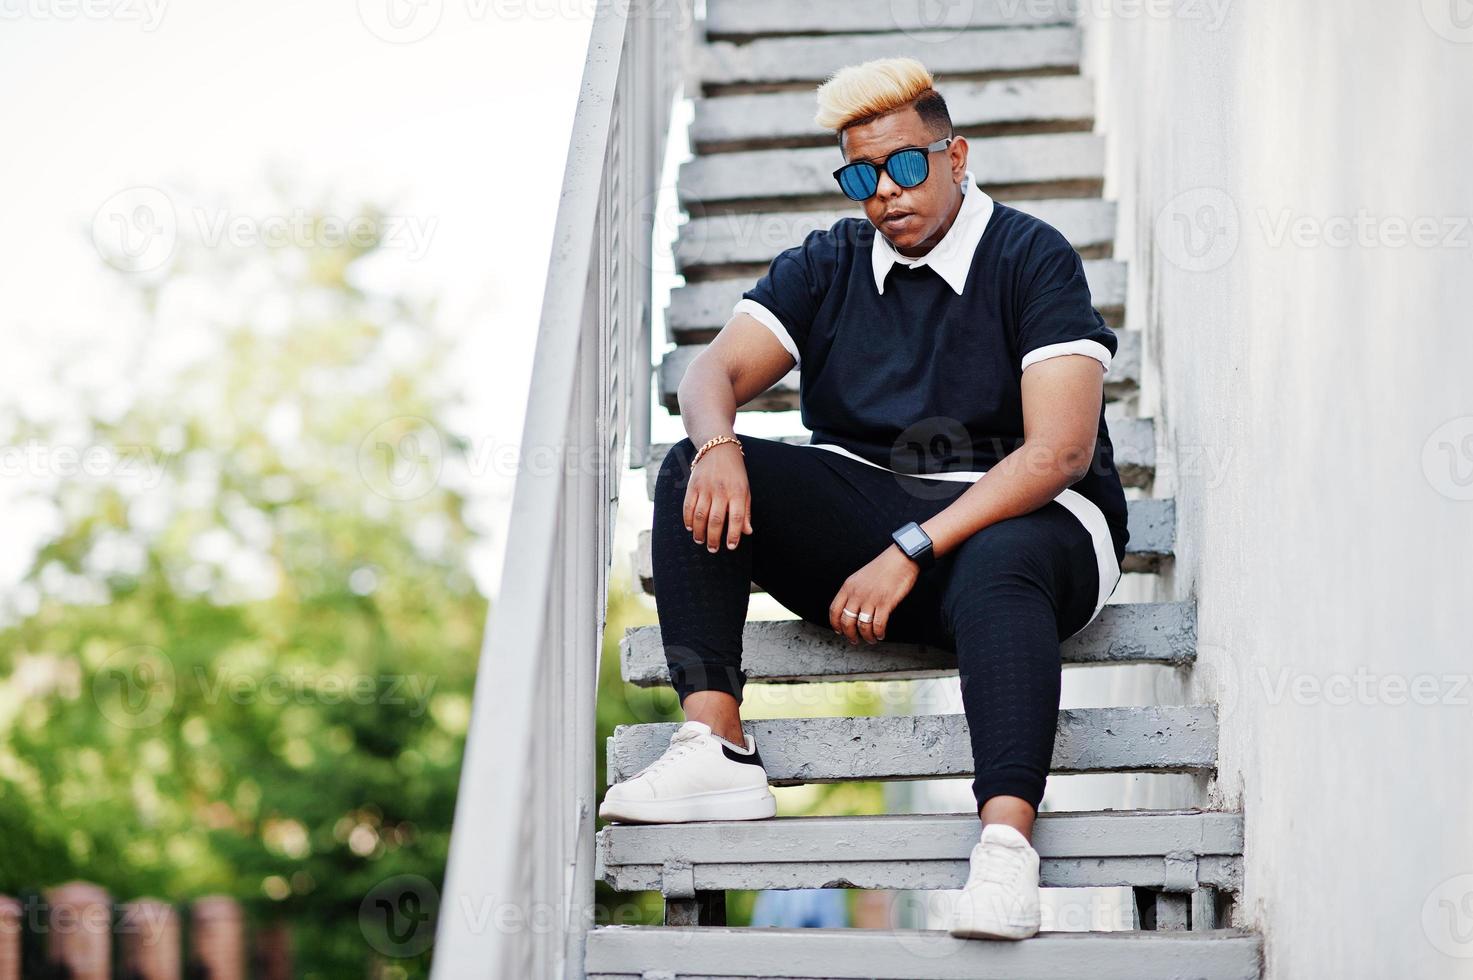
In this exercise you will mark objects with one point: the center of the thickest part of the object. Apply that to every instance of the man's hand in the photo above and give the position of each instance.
(717, 498)
(876, 589)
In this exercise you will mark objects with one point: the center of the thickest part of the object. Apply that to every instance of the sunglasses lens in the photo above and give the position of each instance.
(908, 167)
(858, 181)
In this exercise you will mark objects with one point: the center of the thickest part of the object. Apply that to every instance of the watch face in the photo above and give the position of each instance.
(912, 538)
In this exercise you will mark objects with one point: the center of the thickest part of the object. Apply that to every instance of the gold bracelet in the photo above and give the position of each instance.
(716, 441)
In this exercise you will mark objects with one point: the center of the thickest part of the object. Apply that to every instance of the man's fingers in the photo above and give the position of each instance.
(836, 613)
(882, 621)
(874, 630)
(699, 513)
(850, 624)
(715, 522)
(737, 520)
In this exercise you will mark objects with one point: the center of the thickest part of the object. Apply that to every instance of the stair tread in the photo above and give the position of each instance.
(756, 237)
(1156, 738)
(792, 650)
(807, 172)
(1133, 439)
(770, 116)
(761, 17)
(1079, 849)
(1151, 522)
(689, 952)
(706, 306)
(779, 60)
(922, 836)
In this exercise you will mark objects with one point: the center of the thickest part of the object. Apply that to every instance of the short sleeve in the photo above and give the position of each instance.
(787, 297)
(1055, 312)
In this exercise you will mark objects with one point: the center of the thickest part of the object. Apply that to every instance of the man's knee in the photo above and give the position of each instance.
(1000, 552)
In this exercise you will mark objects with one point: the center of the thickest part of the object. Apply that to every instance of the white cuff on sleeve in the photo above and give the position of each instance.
(1093, 348)
(765, 317)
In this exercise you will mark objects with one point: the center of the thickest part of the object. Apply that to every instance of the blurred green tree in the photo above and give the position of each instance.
(242, 657)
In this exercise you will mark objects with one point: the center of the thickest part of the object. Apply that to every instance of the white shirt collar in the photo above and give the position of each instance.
(952, 256)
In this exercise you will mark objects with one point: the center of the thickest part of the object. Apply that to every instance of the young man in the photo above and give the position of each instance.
(942, 337)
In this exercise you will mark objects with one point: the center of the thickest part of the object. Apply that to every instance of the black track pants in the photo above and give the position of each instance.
(1002, 600)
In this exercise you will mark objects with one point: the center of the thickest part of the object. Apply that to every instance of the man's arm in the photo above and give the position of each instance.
(742, 362)
(1061, 417)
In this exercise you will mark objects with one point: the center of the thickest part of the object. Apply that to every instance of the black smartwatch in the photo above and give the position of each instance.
(916, 543)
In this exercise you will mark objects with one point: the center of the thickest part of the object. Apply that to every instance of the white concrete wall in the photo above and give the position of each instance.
(1315, 382)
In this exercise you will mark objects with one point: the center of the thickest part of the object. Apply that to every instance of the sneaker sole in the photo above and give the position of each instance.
(996, 932)
(751, 803)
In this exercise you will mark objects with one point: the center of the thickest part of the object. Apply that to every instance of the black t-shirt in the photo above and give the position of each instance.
(922, 380)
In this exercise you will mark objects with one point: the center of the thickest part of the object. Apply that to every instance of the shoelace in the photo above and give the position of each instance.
(998, 863)
(681, 743)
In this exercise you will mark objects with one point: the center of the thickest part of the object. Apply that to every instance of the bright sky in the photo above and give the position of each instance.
(459, 121)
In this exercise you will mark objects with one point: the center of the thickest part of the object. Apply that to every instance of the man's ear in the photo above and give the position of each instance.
(958, 155)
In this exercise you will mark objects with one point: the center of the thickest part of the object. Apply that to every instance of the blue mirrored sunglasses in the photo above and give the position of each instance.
(907, 167)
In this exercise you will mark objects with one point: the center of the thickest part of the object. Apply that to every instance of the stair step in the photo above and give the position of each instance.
(806, 60)
(671, 952)
(754, 238)
(752, 121)
(757, 178)
(793, 651)
(1157, 738)
(698, 311)
(755, 18)
(1079, 849)
(1151, 522)
(1133, 439)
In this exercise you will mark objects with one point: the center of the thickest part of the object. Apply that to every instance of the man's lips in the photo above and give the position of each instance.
(895, 219)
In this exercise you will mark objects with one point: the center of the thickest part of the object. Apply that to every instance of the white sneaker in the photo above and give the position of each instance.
(701, 776)
(1000, 900)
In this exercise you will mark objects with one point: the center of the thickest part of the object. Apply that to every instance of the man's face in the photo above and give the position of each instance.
(919, 215)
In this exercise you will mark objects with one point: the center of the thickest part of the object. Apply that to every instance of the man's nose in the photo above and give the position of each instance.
(886, 188)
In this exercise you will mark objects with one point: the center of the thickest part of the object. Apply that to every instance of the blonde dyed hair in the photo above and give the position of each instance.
(870, 89)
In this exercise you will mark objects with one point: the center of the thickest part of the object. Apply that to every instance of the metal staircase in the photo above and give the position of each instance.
(759, 181)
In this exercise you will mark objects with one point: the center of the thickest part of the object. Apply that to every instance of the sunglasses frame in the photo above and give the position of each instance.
(880, 167)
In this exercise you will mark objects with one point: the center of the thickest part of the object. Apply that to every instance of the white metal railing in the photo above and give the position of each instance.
(518, 894)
